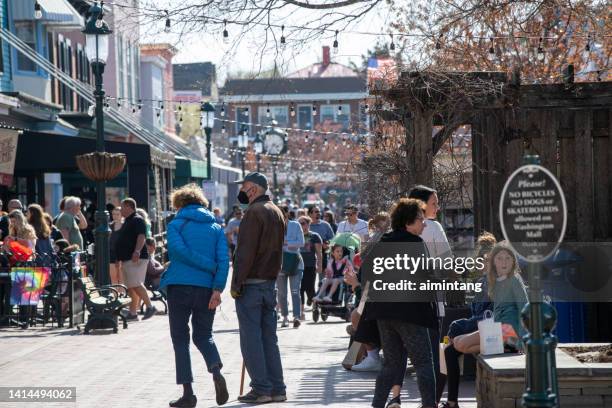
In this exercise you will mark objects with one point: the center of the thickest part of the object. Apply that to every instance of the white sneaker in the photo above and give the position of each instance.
(368, 364)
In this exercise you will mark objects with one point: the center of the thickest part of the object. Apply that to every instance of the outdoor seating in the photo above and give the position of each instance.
(104, 305)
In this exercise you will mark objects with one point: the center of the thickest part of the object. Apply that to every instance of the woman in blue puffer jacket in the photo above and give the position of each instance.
(199, 265)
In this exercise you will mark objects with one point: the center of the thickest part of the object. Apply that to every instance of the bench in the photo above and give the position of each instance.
(104, 305)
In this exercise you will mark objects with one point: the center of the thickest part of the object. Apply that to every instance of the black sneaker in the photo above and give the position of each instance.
(186, 401)
(296, 323)
(131, 317)
(220, 389)
(253, 397)
(279, 397)
(395, 403)
(447, 405)
(149, 313)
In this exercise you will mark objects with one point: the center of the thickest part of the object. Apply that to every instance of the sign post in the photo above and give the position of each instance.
(533, 216)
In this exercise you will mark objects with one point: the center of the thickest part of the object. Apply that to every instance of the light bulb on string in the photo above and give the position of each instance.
(223, 129)
(540, 51)
(392, 45)
(118, 102)
(223, 109)
(292, 110)
(283, 41)
(37, 11)
(268, 110)
(245, 112)
(492, 50)
(225, 33)
(167, 27)
(340, 109)
(314, 110)
(335, 45)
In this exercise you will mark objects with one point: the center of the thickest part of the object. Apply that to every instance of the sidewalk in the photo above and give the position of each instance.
(135, 368)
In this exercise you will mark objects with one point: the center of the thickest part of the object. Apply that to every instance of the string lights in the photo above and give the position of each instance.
(540, 51)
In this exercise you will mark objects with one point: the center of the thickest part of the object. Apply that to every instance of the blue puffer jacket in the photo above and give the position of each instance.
(197, 249)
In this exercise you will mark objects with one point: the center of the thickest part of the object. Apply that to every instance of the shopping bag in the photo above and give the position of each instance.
(490, 331)
(443, 358)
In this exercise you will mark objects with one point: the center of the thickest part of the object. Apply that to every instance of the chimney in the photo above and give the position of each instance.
(326, 58)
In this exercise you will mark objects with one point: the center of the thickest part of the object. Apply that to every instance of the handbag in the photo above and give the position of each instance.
(291, 262)
(490, 332)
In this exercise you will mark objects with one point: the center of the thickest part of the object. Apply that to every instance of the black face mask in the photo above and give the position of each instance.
(243, 198)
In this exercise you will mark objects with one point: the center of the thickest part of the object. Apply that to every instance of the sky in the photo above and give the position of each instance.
(246, 56)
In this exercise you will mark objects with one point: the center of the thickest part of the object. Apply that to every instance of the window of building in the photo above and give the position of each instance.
(277, 113)
(137, 70)
(120, 66)
(128, 70)
(304, 114)
(331, 114)
(26, 31)
(157, 93)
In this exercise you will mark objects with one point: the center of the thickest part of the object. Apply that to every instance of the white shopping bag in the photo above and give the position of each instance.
(443, 359)
(491, 339)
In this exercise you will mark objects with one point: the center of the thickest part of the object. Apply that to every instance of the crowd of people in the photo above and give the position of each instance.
(282, 254)
(132, 247)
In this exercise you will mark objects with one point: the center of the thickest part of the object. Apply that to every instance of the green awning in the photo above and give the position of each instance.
(190, 168)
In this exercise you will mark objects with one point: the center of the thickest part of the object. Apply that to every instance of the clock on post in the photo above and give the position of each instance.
(275, 144)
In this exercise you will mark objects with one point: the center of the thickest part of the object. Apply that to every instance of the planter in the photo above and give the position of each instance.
(101, 166)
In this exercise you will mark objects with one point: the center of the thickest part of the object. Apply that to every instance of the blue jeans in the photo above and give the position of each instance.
(185, 301)
(295, 281)
(256, 310)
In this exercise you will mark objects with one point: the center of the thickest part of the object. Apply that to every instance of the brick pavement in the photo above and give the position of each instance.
(135, 368)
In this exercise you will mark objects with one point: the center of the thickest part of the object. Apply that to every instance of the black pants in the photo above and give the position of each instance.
(307, 288)
(452, 368)
(400, 340)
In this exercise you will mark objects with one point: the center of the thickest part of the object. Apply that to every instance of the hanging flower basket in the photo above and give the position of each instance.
(100, 166)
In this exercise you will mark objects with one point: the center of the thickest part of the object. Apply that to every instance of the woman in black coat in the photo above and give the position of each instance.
(403, 325)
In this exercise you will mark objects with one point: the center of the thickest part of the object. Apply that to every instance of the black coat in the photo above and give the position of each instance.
(419, 313)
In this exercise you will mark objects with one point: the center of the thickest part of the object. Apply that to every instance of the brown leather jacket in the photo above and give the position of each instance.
(259, 251)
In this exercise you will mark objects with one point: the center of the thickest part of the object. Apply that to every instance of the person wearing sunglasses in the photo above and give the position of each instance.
(353, 224)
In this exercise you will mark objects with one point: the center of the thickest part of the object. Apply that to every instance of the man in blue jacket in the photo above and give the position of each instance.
(197, 274)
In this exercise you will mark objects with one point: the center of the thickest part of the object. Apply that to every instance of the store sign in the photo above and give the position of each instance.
(8, 152)
(533, 212)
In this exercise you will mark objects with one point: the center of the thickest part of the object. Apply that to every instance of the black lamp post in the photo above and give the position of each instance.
(96, 47)
(258, 147)
(243, 143)
(207, 112)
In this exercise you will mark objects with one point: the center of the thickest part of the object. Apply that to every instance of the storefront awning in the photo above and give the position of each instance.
(54, 12)
(190, 168)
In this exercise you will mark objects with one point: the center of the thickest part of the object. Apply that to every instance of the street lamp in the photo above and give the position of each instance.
(97, 35)
(243, 143)
(258, 147)
(207, 116)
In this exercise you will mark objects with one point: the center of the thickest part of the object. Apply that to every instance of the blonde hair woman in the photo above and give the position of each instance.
(20, 230)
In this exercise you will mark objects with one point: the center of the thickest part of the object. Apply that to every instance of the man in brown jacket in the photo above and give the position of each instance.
(257, 262)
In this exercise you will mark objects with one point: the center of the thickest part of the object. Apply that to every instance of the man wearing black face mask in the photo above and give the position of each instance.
(257, 263)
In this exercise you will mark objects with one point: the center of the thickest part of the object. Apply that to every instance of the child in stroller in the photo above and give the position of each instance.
(334, 273)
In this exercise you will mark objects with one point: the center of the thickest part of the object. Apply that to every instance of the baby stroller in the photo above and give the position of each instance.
(341, 305)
